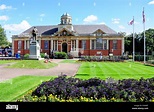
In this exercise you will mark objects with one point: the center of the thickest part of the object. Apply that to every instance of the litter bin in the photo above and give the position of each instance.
(17, 55)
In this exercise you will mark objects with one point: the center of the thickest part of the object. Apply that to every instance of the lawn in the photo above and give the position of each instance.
(116, 70)
(68, 61)
(6, 61)
(14, 88)
(32, 64)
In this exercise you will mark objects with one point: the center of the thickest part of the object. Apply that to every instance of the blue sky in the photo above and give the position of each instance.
(18, 15)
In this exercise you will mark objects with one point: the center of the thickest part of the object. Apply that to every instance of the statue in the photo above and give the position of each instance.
(34, 33)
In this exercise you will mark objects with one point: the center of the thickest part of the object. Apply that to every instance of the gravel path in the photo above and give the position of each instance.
(69, 69)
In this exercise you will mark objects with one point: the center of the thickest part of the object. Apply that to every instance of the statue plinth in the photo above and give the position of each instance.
(34, 50)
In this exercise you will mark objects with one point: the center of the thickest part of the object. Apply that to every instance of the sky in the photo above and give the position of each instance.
(17, 16)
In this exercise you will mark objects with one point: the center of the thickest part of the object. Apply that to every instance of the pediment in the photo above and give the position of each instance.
(99, 32)
(64, 32)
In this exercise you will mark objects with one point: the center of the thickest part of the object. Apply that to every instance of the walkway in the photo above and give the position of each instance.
(69, 69)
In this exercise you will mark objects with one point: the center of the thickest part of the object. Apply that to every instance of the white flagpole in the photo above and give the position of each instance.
(133, 42)
(144, 36)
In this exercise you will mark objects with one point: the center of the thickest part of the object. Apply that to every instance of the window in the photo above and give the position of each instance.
(99, 43)
(83, 44)
(104, 44)
(19, 44)
(73, 45)
(114, 44)
(93, 44)
(46, 44)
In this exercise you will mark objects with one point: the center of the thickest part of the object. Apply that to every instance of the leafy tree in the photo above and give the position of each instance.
(3, 39)
(139, 42)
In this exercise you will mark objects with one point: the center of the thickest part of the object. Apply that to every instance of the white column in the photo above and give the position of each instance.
(77, 42)
(95, 44)
(51, 44)
(71, 45)
(107, 42)
(25, 44)
(12, 47)
(57, 45)
(123, 49)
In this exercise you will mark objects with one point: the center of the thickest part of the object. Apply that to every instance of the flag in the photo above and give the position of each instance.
(143, 16)
(131, 22)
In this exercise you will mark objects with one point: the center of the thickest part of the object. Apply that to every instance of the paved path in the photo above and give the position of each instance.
(69, 69)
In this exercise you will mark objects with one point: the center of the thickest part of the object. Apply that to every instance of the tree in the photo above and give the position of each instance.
(149, 34)
(3, 39)
(139, 42)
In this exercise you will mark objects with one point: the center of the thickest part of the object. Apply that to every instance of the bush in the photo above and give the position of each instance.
(42, 55)
(141, 58)
(26, 56)
(94, 89)
(61, 55)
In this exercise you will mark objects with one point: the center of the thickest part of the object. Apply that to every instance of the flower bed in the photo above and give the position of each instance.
(63, 89)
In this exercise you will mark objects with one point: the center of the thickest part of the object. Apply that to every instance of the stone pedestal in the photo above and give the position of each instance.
(34, 50)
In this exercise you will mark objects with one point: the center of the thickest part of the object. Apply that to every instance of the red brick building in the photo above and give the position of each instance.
(87, 39)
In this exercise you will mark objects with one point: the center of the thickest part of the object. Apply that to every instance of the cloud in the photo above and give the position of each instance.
(121, 27)
(90, 19)
(94, 4)
(59, 4)
(115, 21)
(23, 4)
(151, 3)
(102, 23)
(4, 18)
(4, 7)
(24, 25)
(42, 15)
(76, 19)
(130, 4)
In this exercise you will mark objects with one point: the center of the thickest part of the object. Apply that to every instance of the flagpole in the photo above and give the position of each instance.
(144, 37)
(133, 42)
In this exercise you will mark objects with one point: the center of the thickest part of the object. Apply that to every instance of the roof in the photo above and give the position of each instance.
(80, 29)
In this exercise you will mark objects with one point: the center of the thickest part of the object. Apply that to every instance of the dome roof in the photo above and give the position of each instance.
(65, 15)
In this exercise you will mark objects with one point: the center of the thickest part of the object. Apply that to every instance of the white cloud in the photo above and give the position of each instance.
(4, 7)
(115, 21)
(121, 27)
(94, 4)
(24, 25)
(76, 19)
(42, 15)
(90, 19)
(4, 18)
(130, 4)
(23, 4)
(151, 3)
(59, 4)
(102, 23)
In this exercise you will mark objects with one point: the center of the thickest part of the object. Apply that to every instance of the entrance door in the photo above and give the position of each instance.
(64, 47)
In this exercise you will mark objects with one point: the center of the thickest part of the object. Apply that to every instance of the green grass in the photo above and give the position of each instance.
(116, 70)
(6, 61)
(68, 61)
(32, 64)
(14, 88)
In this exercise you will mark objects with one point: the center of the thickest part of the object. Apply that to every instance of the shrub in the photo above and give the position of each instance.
(140, 58)
(61, 55)
(94, 89)
(26, 56)
(42, 55)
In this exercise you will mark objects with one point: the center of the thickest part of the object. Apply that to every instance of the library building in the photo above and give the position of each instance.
(89, 40)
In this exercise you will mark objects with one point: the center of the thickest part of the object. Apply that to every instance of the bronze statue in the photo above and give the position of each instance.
(34, 33)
